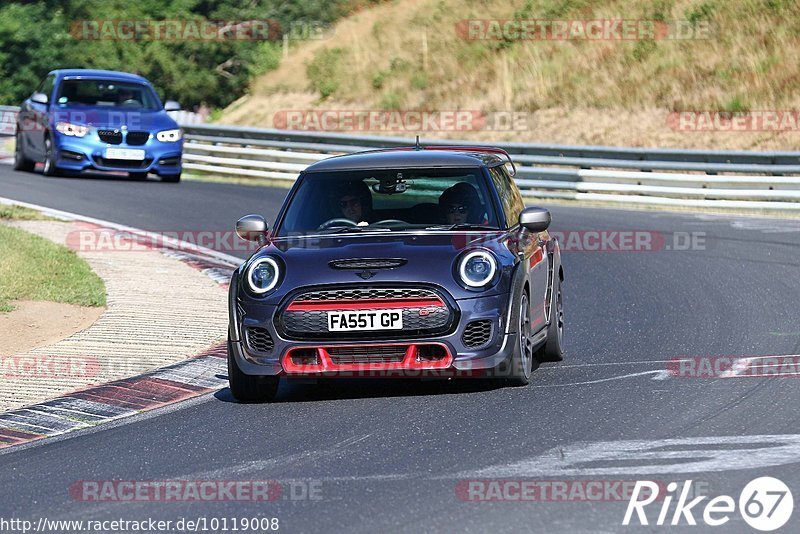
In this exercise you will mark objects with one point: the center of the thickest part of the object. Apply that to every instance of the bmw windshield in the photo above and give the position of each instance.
(389, 200)
(108, 94)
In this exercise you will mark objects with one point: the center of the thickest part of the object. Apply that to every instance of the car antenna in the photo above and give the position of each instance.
(417, 146)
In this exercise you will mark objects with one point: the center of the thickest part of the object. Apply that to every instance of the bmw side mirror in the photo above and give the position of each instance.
(39, 98)
(252, 228)
(171, 105)
(534, 219)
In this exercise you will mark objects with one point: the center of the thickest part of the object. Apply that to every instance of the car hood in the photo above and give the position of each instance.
(429, 257)
(114, 118)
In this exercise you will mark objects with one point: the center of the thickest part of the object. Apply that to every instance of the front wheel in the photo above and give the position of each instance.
(553, 349)
(522, 359)
(171, 178)
(250, 388)
(50, 168)
(21, 163)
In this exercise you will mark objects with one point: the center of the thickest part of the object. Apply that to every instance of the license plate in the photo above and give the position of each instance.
(124, 153)
(350, 321)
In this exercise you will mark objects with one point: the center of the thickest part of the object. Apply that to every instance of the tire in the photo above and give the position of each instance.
(171, 178)
(140, 176)
(553, 349)
(521, 365)
(21, 163)
(50, 168)
(250, 388)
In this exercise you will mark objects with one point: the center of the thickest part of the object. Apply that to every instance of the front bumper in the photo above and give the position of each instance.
(455, 355)
(83, 153)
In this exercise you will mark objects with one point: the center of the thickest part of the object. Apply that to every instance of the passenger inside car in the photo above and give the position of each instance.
(461, 204)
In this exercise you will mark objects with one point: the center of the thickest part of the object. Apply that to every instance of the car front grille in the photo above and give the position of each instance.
(137, 138)
(375, 293)
(386, 354)
(122, 163)
(477, 333)
(259, 339)
(112, 137)
(424, 311)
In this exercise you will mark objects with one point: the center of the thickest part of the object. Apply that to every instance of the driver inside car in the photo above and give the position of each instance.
(355, 202)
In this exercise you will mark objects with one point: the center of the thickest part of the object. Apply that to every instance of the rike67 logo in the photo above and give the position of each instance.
(765, 504)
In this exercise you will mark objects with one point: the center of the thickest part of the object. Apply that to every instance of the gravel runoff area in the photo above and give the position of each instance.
(162, 308)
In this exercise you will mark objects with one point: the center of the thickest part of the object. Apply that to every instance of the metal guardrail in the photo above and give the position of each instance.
(672, 177)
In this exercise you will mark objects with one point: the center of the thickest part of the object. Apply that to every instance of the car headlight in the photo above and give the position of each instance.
(170, 136)
(76, 130)
(477, 268)
(262, 275)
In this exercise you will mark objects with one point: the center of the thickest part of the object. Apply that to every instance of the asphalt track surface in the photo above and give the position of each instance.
(389, 455)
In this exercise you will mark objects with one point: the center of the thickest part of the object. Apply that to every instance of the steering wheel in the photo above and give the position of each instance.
(340, 221)
(390, 223)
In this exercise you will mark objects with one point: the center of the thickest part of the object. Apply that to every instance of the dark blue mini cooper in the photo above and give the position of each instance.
(400, 262)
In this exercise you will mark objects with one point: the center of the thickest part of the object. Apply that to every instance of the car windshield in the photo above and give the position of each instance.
(107, 93)
(389, 200)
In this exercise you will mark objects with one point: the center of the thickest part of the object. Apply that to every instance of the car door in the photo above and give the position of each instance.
(34, 119)
(532, 246)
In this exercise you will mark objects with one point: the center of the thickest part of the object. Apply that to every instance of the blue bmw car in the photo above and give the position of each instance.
(82, 119)
(399, 262)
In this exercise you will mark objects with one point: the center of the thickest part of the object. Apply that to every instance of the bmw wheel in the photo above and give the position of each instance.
(21, 163)
(50, 168)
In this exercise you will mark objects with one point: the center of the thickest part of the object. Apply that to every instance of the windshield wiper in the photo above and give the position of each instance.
(357, 229)
(462, 226)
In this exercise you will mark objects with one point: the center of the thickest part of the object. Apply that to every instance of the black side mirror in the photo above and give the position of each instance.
(252, 228)
(534, 219)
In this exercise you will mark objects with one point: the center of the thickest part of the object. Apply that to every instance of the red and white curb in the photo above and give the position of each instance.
(94, 405)
(204, 373)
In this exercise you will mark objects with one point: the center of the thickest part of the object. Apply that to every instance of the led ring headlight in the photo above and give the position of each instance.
(477, 268)
(262, 275)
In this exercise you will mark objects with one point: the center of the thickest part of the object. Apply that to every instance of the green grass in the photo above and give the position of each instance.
(33, 268)
(21, 214)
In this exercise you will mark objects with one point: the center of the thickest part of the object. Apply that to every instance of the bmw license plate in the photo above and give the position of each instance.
(132, 154)
(348, 321)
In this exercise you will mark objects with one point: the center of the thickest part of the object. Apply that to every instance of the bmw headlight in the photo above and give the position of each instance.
(262, 275)
(477, 268)
(76, 130)
(169, 136)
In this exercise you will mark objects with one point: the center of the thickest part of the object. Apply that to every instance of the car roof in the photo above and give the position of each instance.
(95, 73)
(404, 158)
